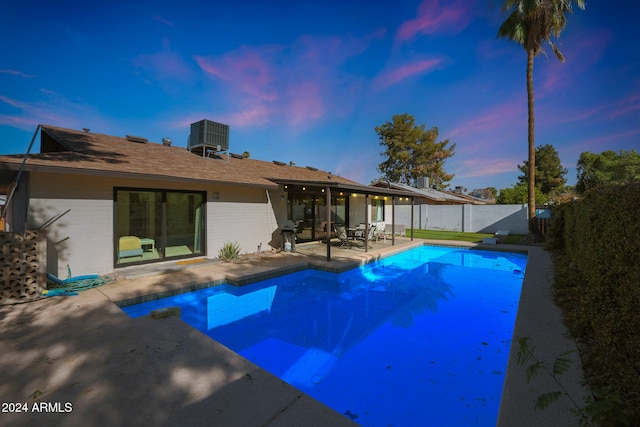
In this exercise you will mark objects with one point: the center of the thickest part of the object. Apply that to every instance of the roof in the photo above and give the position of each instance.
(428, 193)
(80, 152)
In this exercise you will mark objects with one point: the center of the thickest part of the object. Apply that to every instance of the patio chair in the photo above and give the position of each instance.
(370, 233)
(341, 233)
(378, 234)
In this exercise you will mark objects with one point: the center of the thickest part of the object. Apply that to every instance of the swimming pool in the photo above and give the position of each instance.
(419, 338)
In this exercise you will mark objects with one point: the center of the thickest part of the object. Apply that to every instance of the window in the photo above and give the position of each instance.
(152, 225)
(377, 210)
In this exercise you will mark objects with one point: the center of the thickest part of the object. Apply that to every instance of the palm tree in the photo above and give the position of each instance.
(530, 23)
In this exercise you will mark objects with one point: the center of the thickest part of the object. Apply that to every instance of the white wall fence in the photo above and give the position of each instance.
(467, 218)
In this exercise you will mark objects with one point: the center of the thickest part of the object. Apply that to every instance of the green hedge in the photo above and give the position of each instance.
(596, 242)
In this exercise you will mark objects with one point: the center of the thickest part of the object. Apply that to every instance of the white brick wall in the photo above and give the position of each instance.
(83, 237)
(241, 215)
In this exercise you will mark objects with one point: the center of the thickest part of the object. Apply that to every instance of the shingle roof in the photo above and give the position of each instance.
(429, 193)
(94, 153)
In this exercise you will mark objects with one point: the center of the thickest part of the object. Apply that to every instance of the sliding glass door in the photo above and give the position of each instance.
(152, 225)
(309, 213)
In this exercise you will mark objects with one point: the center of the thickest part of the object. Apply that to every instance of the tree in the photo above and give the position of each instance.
(518, 195)
(412, 152)
(549, 175)
(607, 167)
(489, 193)
(530, 23)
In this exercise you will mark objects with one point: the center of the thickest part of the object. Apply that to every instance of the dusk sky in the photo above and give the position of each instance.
(308, 81)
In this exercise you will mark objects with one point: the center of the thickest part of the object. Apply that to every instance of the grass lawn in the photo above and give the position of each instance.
(457, 235)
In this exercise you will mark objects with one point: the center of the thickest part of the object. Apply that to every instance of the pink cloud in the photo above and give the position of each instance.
(56, 110)
(580, 53)
(605, 142)
(18, 122)
(247, 70)
(483, 167)
(626, 106)
(306, 103)
(164, 65)
(16, 73)
(296, 84)
(432, 18)
(597, 113)
(162, 20)
(492, 119)
(252, 116)
(398, 74)
(489, 49)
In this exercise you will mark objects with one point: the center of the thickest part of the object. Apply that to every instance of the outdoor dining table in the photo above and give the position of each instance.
(353, 233)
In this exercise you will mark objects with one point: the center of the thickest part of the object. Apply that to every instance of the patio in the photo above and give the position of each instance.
(115, 370)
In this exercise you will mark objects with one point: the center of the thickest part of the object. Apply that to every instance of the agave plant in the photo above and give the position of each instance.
(229, 251)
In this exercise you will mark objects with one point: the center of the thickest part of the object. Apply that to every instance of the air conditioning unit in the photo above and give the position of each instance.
(422, 182)
(207, 135)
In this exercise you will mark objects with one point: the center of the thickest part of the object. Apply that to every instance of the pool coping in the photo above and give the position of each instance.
(314, 264)
(336, 266)
(94, 316)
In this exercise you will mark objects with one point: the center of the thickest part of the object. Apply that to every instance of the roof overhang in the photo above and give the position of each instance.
(343, 186)
(131, 175)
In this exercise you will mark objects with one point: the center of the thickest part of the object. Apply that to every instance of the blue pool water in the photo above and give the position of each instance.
(420, 338)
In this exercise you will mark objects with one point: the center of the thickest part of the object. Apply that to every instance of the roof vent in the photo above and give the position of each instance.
(139, 139)
(311, 168)
(279, 163)
(166, 142)
(236, 156)
(87, 130)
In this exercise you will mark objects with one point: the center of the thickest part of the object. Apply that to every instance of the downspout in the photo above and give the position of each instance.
(14, 184)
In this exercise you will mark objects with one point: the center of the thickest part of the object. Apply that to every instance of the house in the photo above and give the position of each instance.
(430, 196)
(442, 210)
(107, 202)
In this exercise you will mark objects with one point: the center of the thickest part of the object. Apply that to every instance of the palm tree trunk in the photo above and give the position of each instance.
(532, 145)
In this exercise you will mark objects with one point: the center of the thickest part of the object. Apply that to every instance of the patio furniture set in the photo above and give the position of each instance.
(350, 237)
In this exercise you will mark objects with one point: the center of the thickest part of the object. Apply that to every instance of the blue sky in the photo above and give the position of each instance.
(308, 81)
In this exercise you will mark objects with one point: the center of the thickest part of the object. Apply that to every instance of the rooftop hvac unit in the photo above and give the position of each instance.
(422, 182)
(207, 135)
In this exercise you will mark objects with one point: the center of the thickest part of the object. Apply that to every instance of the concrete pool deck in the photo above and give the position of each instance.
(90, 364)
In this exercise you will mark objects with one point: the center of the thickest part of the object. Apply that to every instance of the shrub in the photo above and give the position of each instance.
(596, 243)
(229, 251)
